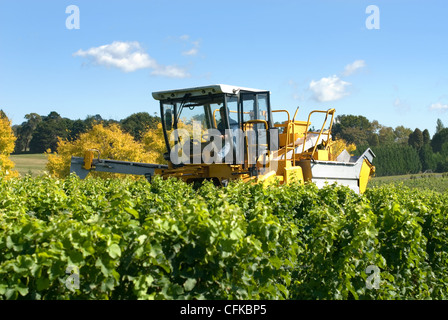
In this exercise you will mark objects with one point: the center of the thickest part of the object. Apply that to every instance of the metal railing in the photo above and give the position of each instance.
(321, 132)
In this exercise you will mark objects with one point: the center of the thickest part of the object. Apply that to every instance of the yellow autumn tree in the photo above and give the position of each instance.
(337, 146)
(154, 141)
(154, 144)
(7, 140)
(111, 141)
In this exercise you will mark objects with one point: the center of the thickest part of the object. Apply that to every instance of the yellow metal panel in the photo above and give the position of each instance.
(366, 170)
(293, 175)
(220, 170)
(322, 155)
(279, 165)
(300, 127)
(282, 138)
(88, 158)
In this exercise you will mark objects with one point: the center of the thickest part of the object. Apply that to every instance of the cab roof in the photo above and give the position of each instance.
(200, 91)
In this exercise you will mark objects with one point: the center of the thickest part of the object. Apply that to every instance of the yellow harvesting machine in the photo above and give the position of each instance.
(223, 133)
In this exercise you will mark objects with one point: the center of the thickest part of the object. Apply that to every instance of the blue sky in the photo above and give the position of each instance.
(313, 54)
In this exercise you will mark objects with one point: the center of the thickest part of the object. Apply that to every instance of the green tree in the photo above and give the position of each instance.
(402, 135)
(439, 126)
(426, 137)
(375, 126)
(24, 132)
(438, 139)
(442, 161)
(353, 129)
(416, 139)
(395, 159)
(386, 135)
(138, 123)
(373, 140)
(428, 158)
(92, 120)
(76, 127)
(47, 131)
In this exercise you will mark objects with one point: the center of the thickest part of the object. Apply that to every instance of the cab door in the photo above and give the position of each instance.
(256, 106)
(256, 121)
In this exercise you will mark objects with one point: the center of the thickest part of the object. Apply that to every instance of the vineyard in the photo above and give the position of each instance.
(433, 181)
(130, 239)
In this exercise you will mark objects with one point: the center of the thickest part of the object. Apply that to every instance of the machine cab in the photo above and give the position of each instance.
(215, 124)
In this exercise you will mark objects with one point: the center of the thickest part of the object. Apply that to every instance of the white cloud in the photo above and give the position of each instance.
(170, 71)
(329, 89)
(333, 87)
(128, 57)
(353, 67)
(401, 105)
(398, 103)
(438, 106)
(193, 51)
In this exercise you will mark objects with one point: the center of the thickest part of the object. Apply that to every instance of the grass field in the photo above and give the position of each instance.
(431, 181)
(33, 164)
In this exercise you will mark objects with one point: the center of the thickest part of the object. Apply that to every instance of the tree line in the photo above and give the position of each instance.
(398, 150)
(39, 133)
